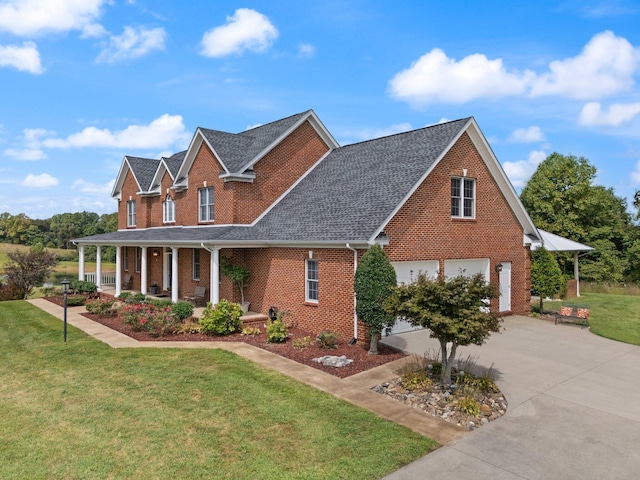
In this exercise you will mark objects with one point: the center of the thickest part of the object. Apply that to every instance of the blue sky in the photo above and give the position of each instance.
(85, 82)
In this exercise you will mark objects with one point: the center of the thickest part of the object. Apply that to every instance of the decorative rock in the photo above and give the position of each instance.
(333, 361)
(485, 410)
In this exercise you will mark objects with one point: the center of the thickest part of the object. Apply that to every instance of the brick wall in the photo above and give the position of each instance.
(424, 230)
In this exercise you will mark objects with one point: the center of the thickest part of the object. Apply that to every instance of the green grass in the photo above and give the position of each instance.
(611, 316)
(82, 410)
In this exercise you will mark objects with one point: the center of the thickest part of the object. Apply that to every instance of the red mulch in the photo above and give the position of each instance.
(362, 361)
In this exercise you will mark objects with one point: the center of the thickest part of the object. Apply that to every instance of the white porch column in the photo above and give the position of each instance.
(214, 277)
(99, 267)
(174, 274)
(143, 271)
(80, 262)
(576, 273)
(118, 270)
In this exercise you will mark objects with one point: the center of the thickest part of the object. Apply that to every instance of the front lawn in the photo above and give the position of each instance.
(83, 410)
(611, 316)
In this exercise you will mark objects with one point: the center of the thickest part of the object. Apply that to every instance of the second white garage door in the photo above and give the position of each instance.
(406, 272)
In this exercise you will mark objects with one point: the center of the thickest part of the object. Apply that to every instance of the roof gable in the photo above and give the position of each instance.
(142, 169)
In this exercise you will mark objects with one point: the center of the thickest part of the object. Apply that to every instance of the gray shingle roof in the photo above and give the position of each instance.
(356, 187)
(346, 198)
(144, 169)
(174, 162)
(237, 150)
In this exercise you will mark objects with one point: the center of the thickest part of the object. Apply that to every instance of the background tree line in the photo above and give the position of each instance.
(58, 231)
(562, 198)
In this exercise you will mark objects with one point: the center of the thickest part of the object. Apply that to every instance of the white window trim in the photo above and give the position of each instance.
(462, 198)
(169, 210)
(193, 264)
(307, 280)
(131, 213)
(207, 205)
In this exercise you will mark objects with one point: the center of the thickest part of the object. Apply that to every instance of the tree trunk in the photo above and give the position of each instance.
(373, 346)
(540, 304)
(447, 361)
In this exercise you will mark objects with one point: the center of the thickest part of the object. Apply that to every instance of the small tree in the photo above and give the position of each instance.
(546, 276)
(26, 270)
(454, 310)
(239, 274)
(375, 277)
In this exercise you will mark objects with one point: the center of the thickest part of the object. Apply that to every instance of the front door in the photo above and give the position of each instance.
(505, 287)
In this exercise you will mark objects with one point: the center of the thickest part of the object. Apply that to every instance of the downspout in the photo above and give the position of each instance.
(355, 315)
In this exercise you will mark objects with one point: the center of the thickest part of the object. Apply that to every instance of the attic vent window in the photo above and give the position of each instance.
(463, 197)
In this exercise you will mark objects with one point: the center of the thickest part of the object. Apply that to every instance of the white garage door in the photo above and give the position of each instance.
(467, 266)
(406, 272)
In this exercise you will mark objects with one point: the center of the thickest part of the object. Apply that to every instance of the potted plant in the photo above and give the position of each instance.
(153, 288)
(239, 275)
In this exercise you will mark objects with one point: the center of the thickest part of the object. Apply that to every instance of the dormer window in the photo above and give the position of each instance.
(169, 210)
(205, 204)
(463, 197)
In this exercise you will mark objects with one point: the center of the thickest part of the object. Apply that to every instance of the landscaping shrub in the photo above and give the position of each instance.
(188, 327)
(251, 331)
(146, 317)
(161, 322)
(327, 339)
(100, 306)
(222, 319)
(158, 302)
(76, 301)
(276, 330)
(182, 310)
(469, 406)
(303, 342)
(417, 380)
(124, 296)
(9, 291)
(136, 298)
(83, 287)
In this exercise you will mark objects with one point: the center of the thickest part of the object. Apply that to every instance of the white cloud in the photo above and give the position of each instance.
(605, 66)
(39, 181)
(527, 135)
(26, 154)
(434, 77)
(247, 29)
(306, 50)
(133, 43)
(28, 18)
(161, 133)
(520, 171)
(619, 113)
(25, 58)
(89, 187)
(635, 175)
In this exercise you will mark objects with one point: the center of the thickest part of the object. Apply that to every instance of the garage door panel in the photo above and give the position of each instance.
(467, 267)
(407, 272)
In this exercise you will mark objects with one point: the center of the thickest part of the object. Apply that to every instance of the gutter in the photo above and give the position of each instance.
(355, 315)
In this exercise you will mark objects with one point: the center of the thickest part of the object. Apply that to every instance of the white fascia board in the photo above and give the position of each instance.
(190, 156)
(492, 163)
(286, 192)
(124, 168)
(315, 123)
(381, 228)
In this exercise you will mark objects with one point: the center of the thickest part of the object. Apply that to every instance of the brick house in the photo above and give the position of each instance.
(285, 200)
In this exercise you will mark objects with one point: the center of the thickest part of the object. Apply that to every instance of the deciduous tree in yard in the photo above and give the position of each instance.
(26, 270)
(546, 276)
(454, 310)
(375, 277)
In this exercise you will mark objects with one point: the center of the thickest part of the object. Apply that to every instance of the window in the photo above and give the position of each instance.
(138, 258)
(463, 194)
(196, 264)
(126, 259)
(311, 279)
(205, 204)
(131, 213)
(169, 210)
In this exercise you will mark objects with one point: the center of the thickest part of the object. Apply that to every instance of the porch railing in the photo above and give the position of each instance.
(107, 278)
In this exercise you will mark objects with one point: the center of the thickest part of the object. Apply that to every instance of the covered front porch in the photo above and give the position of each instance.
(165, 270)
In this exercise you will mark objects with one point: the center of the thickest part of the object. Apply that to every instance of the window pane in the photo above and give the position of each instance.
(455, 207)
(455, 187)
(468, 189)
(468, 207)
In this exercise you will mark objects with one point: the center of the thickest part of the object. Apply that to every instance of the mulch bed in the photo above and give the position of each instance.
(362, 361)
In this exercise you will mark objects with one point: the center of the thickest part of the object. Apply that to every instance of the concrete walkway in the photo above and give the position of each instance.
(354, 389)
(574, 408)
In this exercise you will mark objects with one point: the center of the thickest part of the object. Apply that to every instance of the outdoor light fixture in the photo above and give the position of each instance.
(156, 253)
(498, 268)
(65, 290)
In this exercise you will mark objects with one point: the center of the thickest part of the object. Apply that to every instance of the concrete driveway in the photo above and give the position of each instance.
(574, 407)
